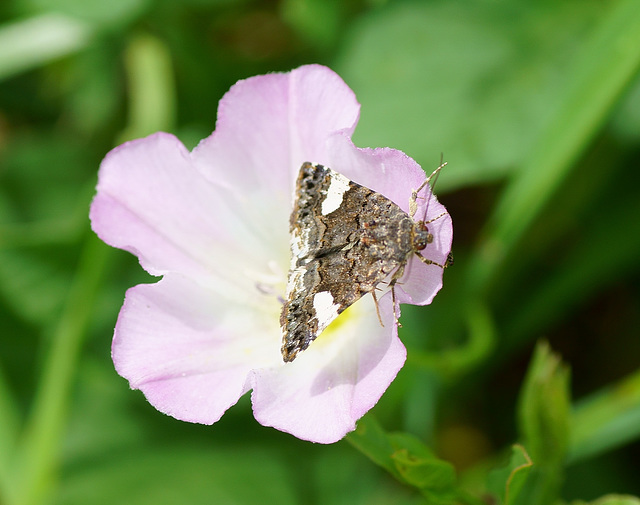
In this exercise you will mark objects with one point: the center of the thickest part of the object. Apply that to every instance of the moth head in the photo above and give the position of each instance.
(421, 236)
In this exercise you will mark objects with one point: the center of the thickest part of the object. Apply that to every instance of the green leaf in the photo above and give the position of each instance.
(543, 411)
(606, 419)
(341, 478)
(543, 415)
(418, 466)
(371, 440)
(507, 483)
(595, 80)
(407, 459)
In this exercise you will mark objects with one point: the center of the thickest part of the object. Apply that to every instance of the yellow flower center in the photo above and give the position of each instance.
(337, 327)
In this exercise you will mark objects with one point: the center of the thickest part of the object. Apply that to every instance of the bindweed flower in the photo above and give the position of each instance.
(214, 224)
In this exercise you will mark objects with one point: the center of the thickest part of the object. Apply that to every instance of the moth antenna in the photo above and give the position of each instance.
(435, 218)
(413, 204)
(433, 177)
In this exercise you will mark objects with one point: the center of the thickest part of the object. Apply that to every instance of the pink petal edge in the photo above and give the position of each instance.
(268, 125)
(173, 344)
(152, 202)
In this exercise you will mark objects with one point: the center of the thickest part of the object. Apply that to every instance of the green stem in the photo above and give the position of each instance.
(151, 87)
(37, 453)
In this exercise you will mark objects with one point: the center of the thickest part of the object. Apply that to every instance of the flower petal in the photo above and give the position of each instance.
(214, 223)
(384, 170)
(153, 202)
(189, 350)
(269, 125)
(320, 396)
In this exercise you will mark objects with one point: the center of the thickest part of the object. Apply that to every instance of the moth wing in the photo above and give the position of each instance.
(341, 233)
(321, 290)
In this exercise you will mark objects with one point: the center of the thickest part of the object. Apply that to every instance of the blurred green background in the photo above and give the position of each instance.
(536, 107)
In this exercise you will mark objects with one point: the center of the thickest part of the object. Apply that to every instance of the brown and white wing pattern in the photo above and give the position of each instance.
(345, 239)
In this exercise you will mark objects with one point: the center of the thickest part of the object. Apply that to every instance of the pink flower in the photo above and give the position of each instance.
(214, 224)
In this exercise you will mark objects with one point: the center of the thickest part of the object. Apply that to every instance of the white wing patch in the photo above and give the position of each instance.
(338, 187)
(326, 309)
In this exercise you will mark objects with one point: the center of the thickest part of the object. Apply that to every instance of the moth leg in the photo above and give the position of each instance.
(392, 284)
(395, 307)
(427, 261)
(413, 205)
(375, 301)
(435, 218)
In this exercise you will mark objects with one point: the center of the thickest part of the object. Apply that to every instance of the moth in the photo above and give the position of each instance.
(345, 240)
